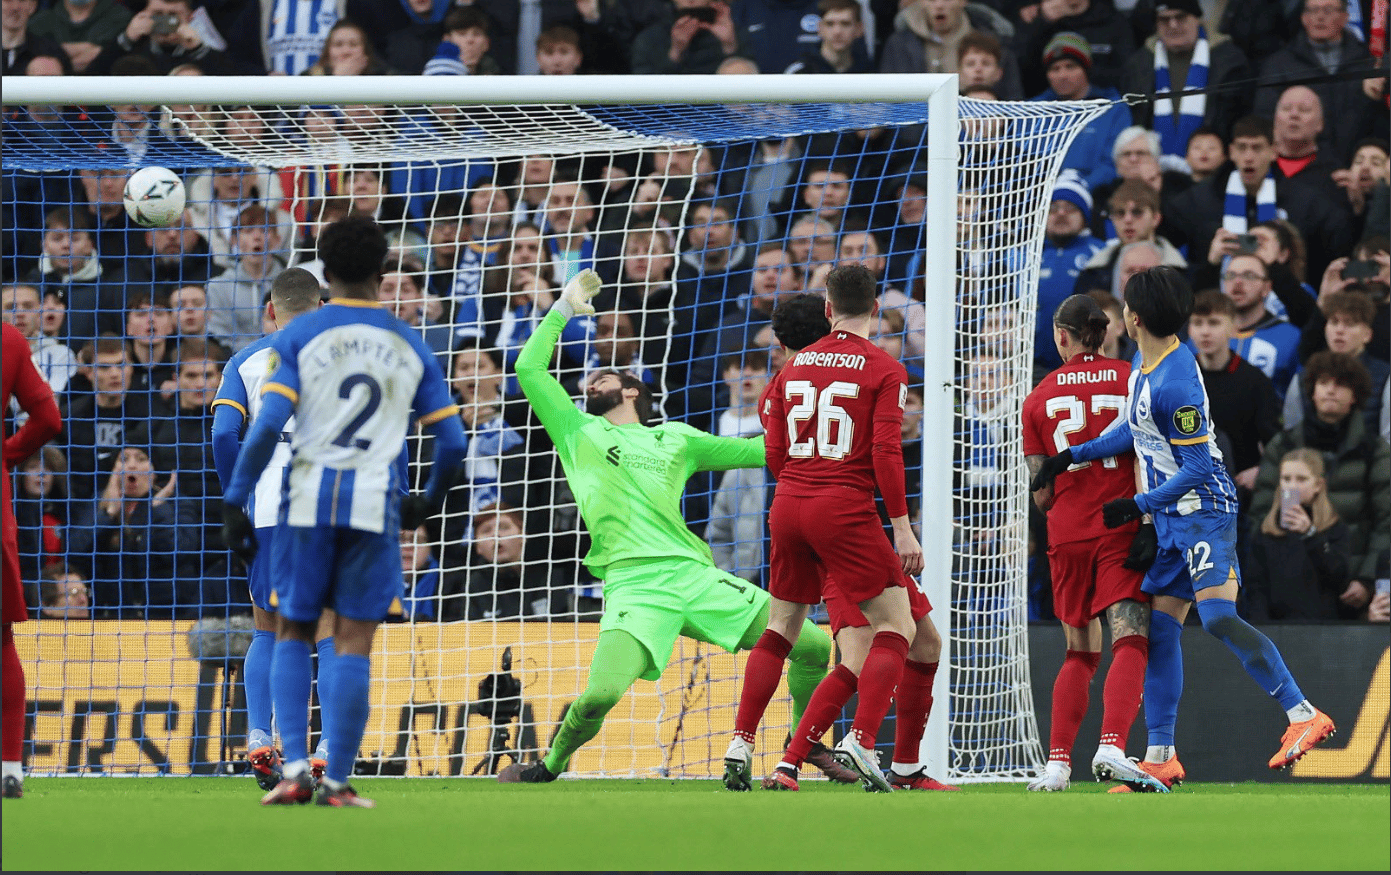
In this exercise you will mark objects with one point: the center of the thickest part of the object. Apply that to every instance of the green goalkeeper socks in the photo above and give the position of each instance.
(618, 661)
(806, 666)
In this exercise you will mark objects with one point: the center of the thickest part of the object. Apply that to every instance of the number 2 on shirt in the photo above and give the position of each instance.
(1076, 420)
(807, 402)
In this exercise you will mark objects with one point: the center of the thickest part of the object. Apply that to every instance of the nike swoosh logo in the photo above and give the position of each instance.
(1294, 748)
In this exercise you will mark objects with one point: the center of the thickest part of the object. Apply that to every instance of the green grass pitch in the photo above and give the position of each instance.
(216, 823)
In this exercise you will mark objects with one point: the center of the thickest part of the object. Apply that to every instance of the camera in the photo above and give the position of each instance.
(703, 14)
(1247, 243)
(164, 23)
(1360, 270)
(1289, 497)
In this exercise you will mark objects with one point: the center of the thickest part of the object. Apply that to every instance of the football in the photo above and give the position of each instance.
(154, 197)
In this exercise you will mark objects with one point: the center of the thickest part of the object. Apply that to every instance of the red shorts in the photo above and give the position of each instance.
(840, 533)
(1088, 577)
(846, 614)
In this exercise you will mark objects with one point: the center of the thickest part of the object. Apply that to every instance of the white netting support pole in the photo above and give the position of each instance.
(939, 392)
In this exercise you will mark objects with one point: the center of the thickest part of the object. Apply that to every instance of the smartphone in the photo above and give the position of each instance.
(703, 14)
(1247, 243)
(1360, 270)
(1289, 497)
(164, 23)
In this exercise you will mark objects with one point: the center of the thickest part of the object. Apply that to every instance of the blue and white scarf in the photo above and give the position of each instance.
(1173, 130)
(1234, 209)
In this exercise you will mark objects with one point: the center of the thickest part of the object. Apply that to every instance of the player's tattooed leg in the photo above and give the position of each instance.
(1128, 617)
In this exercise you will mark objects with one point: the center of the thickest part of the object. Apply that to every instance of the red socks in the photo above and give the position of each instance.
(12, 700)
(1125, 685)
(823, 709)
(914, 705)
(762, 672)
(880, 675)
(1070, 697)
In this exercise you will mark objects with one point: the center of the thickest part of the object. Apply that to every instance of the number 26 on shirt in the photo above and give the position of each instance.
(834, 427)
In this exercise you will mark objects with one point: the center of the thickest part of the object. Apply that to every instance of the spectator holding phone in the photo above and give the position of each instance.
(697, 36)
(1368, 272)
(1357, 466)
(1298, 567)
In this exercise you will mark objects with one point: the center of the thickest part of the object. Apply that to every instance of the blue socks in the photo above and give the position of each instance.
(1257, 653)
(289, 679)
(256, 679)
(1163, 678)
(346, 719)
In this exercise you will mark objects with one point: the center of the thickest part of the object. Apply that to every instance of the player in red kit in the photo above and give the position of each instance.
(835, 432)
(1095, 570)
(798, 323)
(19, 379)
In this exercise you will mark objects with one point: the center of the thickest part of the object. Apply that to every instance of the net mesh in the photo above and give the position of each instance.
(698, 218)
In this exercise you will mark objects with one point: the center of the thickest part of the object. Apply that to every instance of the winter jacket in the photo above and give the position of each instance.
(914, 48)
(1105, 29)
(1226, 64)
(1313, 204)
(1294, 577)
(1347, 112)
(1358, 474)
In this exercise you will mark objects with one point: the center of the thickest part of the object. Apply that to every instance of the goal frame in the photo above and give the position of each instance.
(938, 91)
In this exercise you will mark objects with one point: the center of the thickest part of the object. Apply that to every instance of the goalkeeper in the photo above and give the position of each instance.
(659, 578)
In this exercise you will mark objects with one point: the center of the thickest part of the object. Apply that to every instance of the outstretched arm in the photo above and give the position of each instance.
(710, 453)
(548, 398)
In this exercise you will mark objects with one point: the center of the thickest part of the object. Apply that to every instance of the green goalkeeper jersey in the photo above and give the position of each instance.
(627, 479)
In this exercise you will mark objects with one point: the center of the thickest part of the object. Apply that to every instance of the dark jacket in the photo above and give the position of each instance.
(1298, 578)
(1346, 110)
(93, 438)
(1244, 406)
(1358, 473)
(650, 48)
(1315, 206)
(1105, 29)
(1226, 64)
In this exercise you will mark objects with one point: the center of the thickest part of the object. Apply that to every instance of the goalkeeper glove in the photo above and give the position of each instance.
(1119, 512)
(1052, 467)
(1143, 549)
(578, 291)
(238, 534)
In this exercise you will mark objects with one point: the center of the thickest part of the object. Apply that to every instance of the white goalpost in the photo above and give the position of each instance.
(700, 200)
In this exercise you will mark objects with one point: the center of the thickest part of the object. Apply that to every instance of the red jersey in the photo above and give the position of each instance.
(21, 380)
(836, 421)
(1076, 403)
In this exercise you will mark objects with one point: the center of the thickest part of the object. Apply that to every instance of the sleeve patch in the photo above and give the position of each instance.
(1187, 420)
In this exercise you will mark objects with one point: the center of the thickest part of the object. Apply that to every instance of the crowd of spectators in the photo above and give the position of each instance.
(1267, 184)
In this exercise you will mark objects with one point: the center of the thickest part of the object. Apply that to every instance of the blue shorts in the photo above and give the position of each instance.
(269, 557)
(356, 573)
(1202, 554)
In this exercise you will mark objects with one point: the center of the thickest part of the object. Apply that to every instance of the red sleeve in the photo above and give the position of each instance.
(35, 397)
(773, 416)
(1033, 441)
(888, 443)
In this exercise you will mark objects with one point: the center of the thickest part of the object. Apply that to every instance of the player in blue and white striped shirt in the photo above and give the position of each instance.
(354, 376)
(294, 293)
(1188, 491)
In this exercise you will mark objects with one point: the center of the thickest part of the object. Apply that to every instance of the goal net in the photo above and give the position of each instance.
(699, 216)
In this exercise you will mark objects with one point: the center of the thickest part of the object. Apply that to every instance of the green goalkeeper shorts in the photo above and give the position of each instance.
(658, 599)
